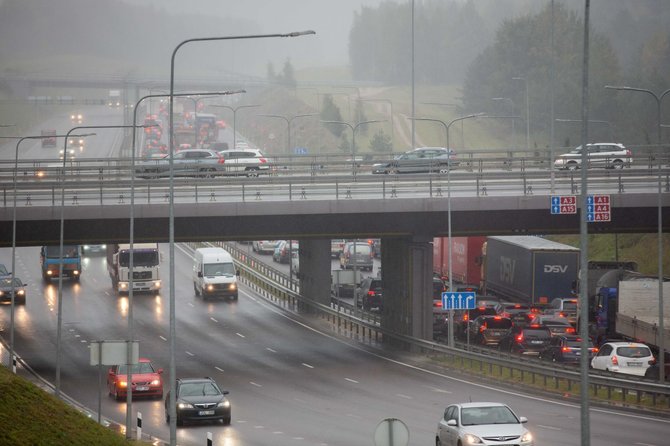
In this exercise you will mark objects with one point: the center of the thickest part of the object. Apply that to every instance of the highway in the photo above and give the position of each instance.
(291, 382)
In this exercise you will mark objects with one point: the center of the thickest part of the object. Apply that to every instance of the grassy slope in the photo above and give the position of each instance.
(30, 416)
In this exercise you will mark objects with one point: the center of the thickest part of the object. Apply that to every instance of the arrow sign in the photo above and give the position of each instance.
(458, 301)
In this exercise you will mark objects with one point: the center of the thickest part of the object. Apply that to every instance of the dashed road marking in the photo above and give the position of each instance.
(255, 384)
(270, 350)
(219, 369)
(553, 428)
(213, 320)
(189, 353)
(351, 380)
(163, 338)
(308, 366)
(240, 335)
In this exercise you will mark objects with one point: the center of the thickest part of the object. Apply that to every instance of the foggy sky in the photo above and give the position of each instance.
(331, 19)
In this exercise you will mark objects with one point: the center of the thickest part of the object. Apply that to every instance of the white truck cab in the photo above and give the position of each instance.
(214, 273)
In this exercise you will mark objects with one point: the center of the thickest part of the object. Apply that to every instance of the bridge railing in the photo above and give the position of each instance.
(612, 388)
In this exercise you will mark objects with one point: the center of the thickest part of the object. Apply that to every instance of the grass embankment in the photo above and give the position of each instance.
(31, 416)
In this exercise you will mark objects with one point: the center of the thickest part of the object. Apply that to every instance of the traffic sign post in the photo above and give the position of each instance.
(598, 208)
(563, 204)
(458, 301)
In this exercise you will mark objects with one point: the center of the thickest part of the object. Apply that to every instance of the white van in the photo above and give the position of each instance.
(214, 273)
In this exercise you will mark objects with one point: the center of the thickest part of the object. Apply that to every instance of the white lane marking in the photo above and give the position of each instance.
(552, 428)
(259, 427)
(77, 336)
(189, 353)
(278, 433)
(299, 400)
(163, 338)
(438, 390)
(255, 384)
(191, 304)
(270, 350)
(298, 438)
(240, 335)
(400, 395)
(213, 320)
(308, 366)
(84, 341)
(645, 444)
(219, 369)
(351, 380)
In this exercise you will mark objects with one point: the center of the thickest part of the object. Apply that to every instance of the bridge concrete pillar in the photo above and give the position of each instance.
(407, 281)
(315, 267)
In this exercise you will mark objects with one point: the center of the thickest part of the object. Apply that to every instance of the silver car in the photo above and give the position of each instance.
(482, 424)
(421, 160)
(606, 155)
(187, 162)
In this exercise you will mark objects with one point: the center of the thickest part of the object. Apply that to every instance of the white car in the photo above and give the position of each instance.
(603, 154)
(482, 424)
(632, 358)
(249, 162)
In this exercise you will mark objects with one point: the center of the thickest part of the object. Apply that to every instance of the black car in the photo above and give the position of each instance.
(461, 323)
(370, 293)
(199, 399)
(488, 330)
(526, 340)
(520, 314)
(424, 159)
(566, 348)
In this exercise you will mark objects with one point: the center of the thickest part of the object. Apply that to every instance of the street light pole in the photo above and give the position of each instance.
(659, 99)
(234, 110)
(388, 101)
(525, 80)
(451, 282)
(353, 138)
(173, 368)
(288, 125)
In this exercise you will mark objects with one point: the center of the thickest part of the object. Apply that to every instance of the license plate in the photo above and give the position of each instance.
(537, 342)
(142, 388)
(140, 284)
(634, 364)
(206, 412)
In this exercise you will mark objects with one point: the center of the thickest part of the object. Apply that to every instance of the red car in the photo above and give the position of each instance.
(146, 380)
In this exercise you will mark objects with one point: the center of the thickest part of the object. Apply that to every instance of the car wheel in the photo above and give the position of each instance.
(167, 417)
(117, 396)
(617, 164)
(180, 422)
(393, 170)
(195, 290)
(572, 166)
(252, 172)
(437, 441)
(226, 420)
(444, 169)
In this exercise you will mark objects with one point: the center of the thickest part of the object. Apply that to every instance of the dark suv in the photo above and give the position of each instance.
(526, 340)
(199, 399)
(370, 293)
(566, 348)
(488, 330)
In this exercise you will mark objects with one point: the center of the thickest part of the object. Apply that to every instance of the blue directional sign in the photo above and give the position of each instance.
(458, 301)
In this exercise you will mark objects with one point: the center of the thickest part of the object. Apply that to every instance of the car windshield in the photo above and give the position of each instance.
(7, 283)
(498, 324)
(376, 285)
(536, 332)
(634, 352)
(3, 270)
(219, 269)
(570, 305)
(198, 389)
(360, 249)
(140, 257)
(69, 251)
(141, 367)
(473, 416)
(577, 344)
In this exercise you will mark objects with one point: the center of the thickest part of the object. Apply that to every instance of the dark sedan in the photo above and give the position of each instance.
(6, 290)
(199, 399)
(566, 348)
(526, 340)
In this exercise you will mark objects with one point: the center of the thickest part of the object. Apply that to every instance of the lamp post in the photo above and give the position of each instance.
(592, 121)
(129, 393)
(353, 138)
(11, 364)
(288, 125)
(171, 402)
(661, 343)
(390, 103)
(234, 110)
(451, 283)
(525, 80)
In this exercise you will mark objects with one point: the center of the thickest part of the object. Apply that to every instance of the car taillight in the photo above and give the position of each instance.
(371, 293)
(482, 329)
(262, 160)
(465, 317)
(615, 361)
(221, 161)
(594, 349)
(565, 349)
(437, 303)
(519, 337)
(570, 330)
(628, 152)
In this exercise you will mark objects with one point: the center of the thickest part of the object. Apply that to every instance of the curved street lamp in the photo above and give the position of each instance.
(353, 138)
(390, 103)
(173, 368)
(288, 125)
(451, 283)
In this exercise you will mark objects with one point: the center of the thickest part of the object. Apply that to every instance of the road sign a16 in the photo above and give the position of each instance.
(458, 301)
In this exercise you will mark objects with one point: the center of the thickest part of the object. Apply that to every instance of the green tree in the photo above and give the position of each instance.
(288, 75)
(272, 76)
(381, 142)
(345, 145)
(331, 112)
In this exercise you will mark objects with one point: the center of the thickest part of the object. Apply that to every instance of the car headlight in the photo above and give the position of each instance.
(233, 286)
(184, 406)
(21, 292)
(156, 382)
(210, 287)
(472, 439)
(123, 285)
(123, 384)
(225, 404)
(157, 284)
(527, 437)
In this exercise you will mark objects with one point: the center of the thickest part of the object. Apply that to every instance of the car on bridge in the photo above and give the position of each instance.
(247, 161)
(421, 160)
(264, 246)
(606, 155)
(187, 162)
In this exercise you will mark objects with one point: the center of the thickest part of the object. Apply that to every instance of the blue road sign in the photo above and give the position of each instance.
(458, 301)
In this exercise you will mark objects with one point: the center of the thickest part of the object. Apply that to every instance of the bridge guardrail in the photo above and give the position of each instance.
(631, 392)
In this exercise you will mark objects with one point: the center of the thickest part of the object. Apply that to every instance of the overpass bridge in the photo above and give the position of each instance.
(405, 211)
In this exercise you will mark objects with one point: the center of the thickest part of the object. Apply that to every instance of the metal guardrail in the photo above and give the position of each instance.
(632, 392)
